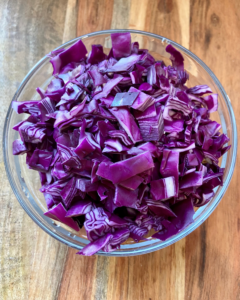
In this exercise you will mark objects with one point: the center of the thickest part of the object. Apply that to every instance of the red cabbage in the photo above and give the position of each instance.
(19, 147)
(40, 160)
(85, 185)
(32, 133)
(127, 121)
(127, 168)
(94, 246)
(176, 58)
(84, 147)
(97, 77)
(143, 101)
(121, 44)
(102, 192)
(199, 90)
(69, 192)
(118, 237)
(115, 145)
(96, 223)
(121, 144)
(46, 106)
(132, 183)
(125, 197)
(81, 208)
(96, 55)
(163, 189)
(108, 87)
(122, 135)
(173, 126)
(28, 107)
(148, 113)
(184, 212)
(195, 179)
(212, 102)
(137, 233)
(152, 128)
(75, 53)
(136, 76)
(55, 89)
(124, 64)
(160, 209)
(58, 213)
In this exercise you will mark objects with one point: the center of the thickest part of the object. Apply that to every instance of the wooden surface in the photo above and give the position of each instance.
(206, 264)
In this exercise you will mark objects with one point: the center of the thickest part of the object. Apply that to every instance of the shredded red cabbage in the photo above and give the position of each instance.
(121, 144)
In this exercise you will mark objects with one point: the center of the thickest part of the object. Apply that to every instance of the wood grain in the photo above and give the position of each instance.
(213, 249)
(94, 15)
(203, 266)
(79, 276)
(120, 14)
(31, 262)
(70, 24)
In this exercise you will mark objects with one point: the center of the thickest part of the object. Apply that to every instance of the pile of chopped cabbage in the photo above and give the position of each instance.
(122, 146)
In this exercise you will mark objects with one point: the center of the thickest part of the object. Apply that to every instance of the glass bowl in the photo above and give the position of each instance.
(25, 183)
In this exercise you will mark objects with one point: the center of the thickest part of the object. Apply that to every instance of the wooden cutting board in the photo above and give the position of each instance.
(206, 264)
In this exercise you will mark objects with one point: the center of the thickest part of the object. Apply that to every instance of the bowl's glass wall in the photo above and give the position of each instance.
(26, 184)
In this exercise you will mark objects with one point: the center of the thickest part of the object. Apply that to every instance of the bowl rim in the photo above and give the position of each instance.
(185, 231)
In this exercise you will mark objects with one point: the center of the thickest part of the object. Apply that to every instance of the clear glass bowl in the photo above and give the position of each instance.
(25, 183)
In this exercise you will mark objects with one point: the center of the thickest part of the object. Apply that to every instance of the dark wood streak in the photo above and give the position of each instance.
(207, 38)
(189, 281)
(165, 6)
(202, 258)
(201, 27)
